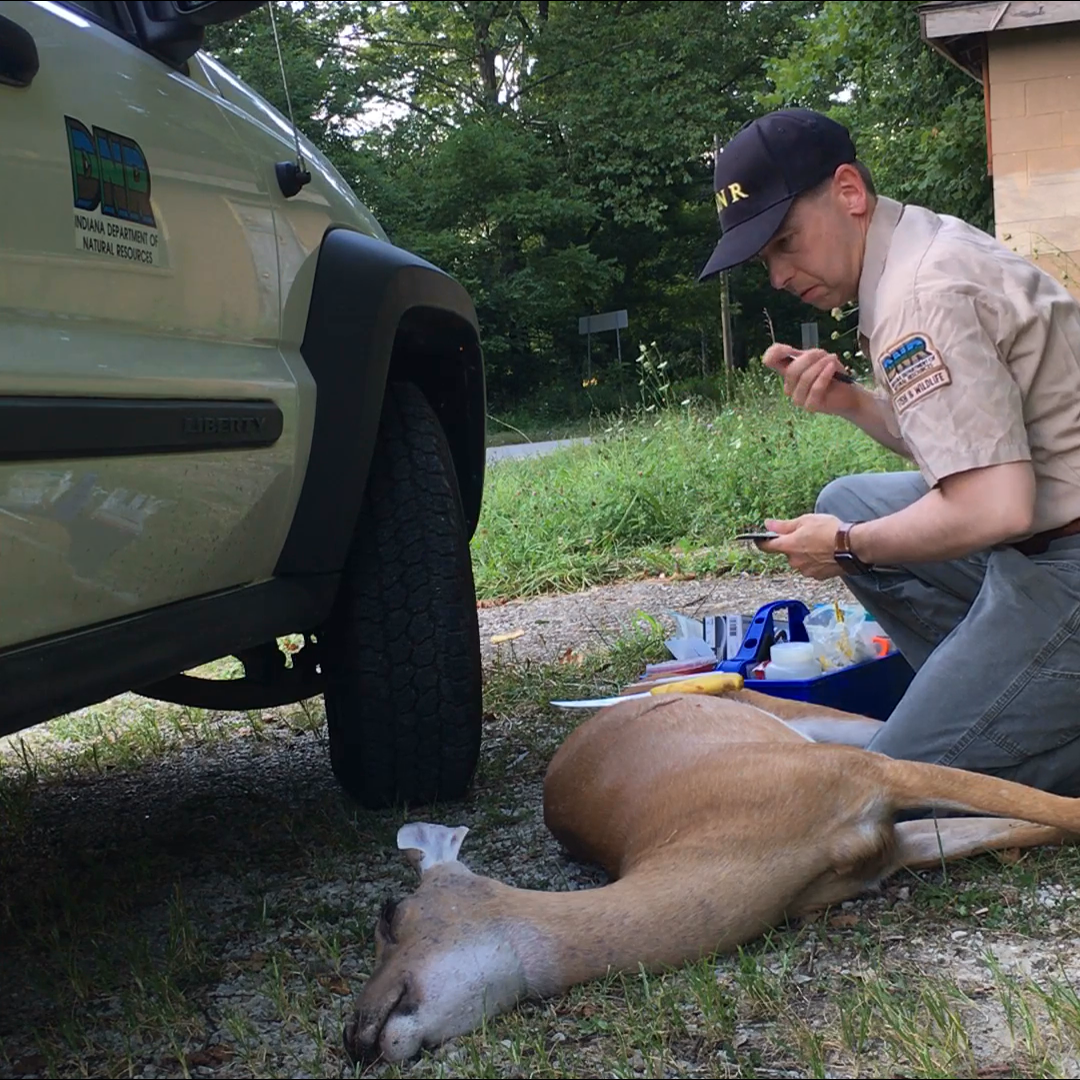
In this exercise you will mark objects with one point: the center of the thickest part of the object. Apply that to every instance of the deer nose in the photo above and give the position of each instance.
(377, 1004)
(358, 1051)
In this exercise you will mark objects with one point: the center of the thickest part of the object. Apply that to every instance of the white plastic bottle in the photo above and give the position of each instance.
(792, 660)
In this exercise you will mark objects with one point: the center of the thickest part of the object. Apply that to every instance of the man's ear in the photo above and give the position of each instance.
(850, 189)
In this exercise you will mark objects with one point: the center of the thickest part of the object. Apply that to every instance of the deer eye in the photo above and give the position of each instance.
(386, 921)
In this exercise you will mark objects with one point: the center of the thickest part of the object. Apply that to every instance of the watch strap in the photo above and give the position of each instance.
(843, 553)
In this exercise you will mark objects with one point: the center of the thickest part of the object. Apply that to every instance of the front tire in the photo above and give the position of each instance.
(401, 649)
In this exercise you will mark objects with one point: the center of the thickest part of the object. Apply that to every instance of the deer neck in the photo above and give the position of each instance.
(648, 919)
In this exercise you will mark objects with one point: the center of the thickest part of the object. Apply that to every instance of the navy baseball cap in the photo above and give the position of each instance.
(761, 171)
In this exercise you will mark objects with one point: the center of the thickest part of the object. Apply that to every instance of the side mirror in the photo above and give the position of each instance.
(173, 29)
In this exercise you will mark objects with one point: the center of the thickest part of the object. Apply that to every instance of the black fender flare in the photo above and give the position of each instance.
(378, 312)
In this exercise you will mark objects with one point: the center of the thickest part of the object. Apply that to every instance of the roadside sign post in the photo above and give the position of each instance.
(598, 324)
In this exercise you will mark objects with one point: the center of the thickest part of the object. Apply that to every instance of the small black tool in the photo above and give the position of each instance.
(839, 376)
(764, 534)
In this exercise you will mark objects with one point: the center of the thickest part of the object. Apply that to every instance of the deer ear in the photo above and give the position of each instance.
(426, 845)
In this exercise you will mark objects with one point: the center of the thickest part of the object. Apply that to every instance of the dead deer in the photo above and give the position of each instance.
(714, 817)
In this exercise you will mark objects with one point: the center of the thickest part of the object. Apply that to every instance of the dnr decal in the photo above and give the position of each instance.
(912, 369)
(110, 179)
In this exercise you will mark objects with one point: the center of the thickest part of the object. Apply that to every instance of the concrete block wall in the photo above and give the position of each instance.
(1034, 82)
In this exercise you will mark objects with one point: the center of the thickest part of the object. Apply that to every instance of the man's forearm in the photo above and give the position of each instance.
(969, 512)
(869, 415)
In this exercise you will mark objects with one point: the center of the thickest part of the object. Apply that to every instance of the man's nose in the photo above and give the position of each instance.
(779, 273)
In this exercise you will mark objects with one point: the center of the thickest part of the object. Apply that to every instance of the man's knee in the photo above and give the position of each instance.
(863, 496)
(839, 497)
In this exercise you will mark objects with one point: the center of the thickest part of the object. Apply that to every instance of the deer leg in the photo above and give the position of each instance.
(787, 708)
(818, 723)
(925, 843)
(827, 729)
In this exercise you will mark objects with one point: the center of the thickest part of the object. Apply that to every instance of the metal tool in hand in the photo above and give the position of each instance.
(838, 376)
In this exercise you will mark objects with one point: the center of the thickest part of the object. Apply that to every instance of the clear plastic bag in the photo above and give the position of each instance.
(841, 635)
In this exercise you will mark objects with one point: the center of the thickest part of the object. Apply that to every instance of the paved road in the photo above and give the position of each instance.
(533, 449)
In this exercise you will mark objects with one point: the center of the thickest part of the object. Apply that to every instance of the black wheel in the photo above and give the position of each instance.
(401, 649)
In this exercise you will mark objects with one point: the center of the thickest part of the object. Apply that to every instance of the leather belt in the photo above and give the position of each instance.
(1037, 544)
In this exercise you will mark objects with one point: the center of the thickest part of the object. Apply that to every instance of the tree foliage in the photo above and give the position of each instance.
(556, 155)
(917, 120)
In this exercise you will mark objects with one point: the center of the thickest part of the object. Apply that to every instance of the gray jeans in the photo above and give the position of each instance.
(994, 642)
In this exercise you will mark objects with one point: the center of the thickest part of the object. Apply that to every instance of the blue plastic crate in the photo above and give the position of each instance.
(871, 688)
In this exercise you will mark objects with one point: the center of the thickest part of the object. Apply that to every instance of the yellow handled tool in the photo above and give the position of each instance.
(712, 682)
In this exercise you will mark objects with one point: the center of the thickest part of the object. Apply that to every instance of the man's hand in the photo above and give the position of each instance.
(808, 542)
(808, 379)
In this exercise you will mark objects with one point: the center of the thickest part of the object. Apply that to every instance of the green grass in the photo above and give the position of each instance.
(660, 493)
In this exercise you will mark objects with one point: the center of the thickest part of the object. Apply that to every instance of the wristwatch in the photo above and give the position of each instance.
(848, 561)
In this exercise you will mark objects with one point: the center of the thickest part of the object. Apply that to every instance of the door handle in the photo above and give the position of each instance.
(18, 54)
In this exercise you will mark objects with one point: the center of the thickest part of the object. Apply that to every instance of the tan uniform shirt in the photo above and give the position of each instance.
(976, 353)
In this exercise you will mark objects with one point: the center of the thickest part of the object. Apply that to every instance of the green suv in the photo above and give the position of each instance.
(230, 409)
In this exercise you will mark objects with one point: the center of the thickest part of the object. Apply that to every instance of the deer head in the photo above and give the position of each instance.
(444, 960)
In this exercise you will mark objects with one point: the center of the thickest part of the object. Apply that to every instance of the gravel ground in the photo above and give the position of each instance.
(590, 620)
(205, 908)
